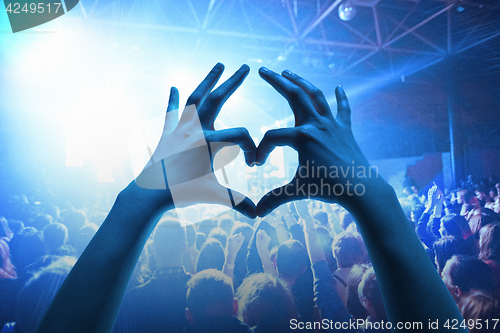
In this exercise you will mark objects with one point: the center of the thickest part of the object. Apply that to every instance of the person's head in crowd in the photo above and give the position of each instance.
(218, 234)
(226, 223)
(462, 274)
(200, 240)
(85, 235)
(481, 194)
(480, 307)
(266, 302)
(53, 211)
(477, 221)
(145, 266)
(455, 225)
(493, 193)
(75, 221)
(347, 250)
(461, 196)
(322, 218)
(371, 297)
(351, 297)
(15, 226)
(447, 247)
(206, 225)
(38, 292)
(40, 221)
(211, 256)
(55, 236)
(489, 242)
(210, 295)
(291, 260)
(345, 219)
(29, 249)
(245, 229)
(169, 243)
(192, 214)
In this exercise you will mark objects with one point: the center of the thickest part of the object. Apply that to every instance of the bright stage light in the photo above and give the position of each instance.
(347, 11)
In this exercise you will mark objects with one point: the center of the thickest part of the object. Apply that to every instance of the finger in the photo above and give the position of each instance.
(297, 99)
(202, 91)
(172, 114)
(316, 96)
(278, 197)
(272, 139)
(245, 206)
(211, 107)
(343, 108)
(173, 100)
(239, 136)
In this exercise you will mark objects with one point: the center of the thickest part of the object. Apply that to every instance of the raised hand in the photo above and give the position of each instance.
(332, 167)
(234, 244)
(434, 197)
(183, 162)
(263, 241)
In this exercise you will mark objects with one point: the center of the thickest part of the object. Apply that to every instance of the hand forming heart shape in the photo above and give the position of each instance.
(183, 161)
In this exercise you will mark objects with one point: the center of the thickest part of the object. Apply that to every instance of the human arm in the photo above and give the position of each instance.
(325, 288)
(90, 297)
(411, 288)
(263, 241)
(280, 228)
(233, 246)
(436, 199)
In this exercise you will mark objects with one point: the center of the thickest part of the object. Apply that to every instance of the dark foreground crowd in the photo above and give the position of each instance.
(257, 271)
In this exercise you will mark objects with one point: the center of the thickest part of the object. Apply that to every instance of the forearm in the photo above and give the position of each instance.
(412, 290)
(281, 233)
(326, 295)
(267, 264)
(314, 249)
(228, 268)
(422, 232)
(90, 297)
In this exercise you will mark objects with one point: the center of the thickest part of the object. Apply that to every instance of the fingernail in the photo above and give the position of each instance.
(219, 66)
(245, 67)
(264, 69)
(341, 89)
(287, 72)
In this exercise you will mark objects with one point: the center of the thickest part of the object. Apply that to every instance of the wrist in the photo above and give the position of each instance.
(228, 265)
(148, 200)
(230, 259)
